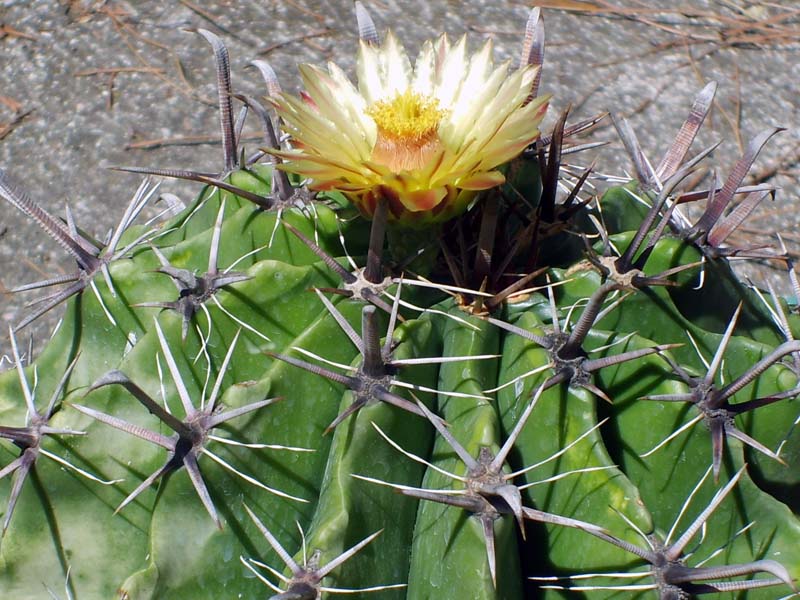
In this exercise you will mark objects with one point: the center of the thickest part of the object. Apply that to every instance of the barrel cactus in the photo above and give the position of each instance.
(400, 351)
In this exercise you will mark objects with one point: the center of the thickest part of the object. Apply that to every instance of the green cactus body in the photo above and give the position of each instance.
(562, 416)
(195, 397)
(449, 542)
(679, 465)
(351, 509)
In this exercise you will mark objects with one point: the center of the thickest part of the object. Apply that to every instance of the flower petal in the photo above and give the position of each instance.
(477, 72)
(449, 71)
(383, 72)
(424, 71)
(423, 200)
(482, 181)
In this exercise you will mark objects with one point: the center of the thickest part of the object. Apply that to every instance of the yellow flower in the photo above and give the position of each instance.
(425, 139)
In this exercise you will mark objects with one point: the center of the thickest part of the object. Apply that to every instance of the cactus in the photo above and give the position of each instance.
(572, 394)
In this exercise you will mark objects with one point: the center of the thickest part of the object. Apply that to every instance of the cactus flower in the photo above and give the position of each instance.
(425, 139)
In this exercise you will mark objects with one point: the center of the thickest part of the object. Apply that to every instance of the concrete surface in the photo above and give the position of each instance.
(76, 123)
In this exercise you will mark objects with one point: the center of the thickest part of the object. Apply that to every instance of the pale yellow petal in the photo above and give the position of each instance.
(314, 130)
(449, 72)
(355, 105)
(331, 99)
(320, 135)
(340, 186)
(424, 70)
(519, 131)
(483, 180)
(470, 88)
(493, 127)
(382, 72)
(457, 128)
(505, 101)
(397, 67)
(310, 165)
(368, 72)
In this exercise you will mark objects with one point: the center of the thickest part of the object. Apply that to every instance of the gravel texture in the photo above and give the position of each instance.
(65, 115)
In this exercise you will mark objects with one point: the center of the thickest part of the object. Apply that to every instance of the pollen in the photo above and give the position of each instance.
(408, 117)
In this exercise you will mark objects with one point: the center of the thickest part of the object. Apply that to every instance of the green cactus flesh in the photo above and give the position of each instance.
(278, 494)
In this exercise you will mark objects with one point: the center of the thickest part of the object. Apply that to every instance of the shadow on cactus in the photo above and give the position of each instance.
(527, 419)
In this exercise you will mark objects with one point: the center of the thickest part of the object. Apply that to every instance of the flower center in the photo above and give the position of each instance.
(409, 116)
(407, 127)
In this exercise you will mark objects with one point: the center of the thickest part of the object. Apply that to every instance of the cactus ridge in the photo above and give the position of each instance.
(463, 453)
(672, 578)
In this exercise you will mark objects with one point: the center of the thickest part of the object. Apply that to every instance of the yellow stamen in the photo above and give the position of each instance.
(407, 127)
(408, 116)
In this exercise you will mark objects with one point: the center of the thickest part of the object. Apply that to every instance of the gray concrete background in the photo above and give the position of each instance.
(64, 117)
